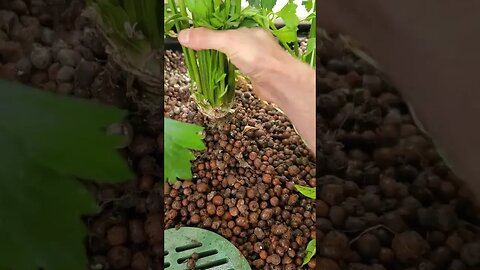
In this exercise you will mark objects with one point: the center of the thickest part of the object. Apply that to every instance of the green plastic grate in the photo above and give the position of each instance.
(213, 252)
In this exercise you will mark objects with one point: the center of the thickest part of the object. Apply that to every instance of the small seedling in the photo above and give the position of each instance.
(309, 192)
(311, 250)
(180, 139)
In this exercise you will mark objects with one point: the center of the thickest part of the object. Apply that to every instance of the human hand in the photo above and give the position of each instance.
(276, 76)
(254, 51)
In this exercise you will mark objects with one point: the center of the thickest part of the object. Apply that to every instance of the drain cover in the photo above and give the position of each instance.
(212, 252)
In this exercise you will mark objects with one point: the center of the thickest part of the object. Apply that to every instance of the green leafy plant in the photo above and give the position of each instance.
(212, 74)
(133, 29)
(47, 143)
(288, 34)
(311, 249)
(180, 139)
(309, 55)
(309, 192)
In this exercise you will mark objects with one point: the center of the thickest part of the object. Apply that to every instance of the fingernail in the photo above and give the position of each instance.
(184, 36)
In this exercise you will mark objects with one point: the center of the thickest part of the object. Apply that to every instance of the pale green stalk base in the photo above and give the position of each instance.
(214, 112)
(148, 73)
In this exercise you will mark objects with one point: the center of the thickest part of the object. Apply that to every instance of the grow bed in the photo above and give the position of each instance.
(386, 198)
(243, 186)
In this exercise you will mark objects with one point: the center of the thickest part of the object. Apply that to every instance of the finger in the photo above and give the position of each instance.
(204, 39)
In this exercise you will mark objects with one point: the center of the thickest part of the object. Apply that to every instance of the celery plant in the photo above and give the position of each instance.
(133, 30)
(287, 35)
(213, 75)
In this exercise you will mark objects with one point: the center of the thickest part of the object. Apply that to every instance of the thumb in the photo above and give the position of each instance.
(204, 39)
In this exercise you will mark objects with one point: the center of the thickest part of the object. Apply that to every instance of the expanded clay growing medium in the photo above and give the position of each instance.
(386, 198)
(243, 186)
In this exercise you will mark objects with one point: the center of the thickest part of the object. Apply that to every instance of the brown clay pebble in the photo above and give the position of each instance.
(195, 219)
(327, 264)
(153, 228)
(409, 246)
(368, 246)
(117, 235)
(332, 194)
(470, 254)
(274, 259)
(119, 257)
(334, 245)
(386, 255)
(137, 232)
(139, 261)
(266, 214)
(202, 187)
(217, 200)
(337, 215)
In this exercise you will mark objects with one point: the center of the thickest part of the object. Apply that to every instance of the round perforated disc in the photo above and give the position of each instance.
(212, 250)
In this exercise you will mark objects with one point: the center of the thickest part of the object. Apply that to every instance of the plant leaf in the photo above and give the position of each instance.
(254, 3)
(310, 251)
(48, 141)
(180, 139)
(199, 8)
(43, 120)
(286, 34)
(268, 4)
(289, 15)
(309, 192)
(308, 4)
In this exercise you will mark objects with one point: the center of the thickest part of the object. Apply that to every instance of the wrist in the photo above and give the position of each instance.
(289, 80)
(292, 88)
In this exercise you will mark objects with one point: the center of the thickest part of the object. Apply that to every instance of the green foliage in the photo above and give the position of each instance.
(311, 250)
(309, 192)
(288, 34)
(47, 142)
(180, 139)
(133, 28)
(212, 73)
(266, 4)
(309, 56)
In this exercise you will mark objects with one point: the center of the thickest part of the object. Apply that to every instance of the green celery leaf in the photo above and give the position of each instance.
(249, 23)
(286, 34)
(268, 4)
(311, 250)
(255, 3)
(289, 15)
(216, 23)
(43, 120)
(47, 142)
(199, 8)
(308, 4)
(311, 17)
(309, 192)
(40, 213)
(180, 139)
(311, 45)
